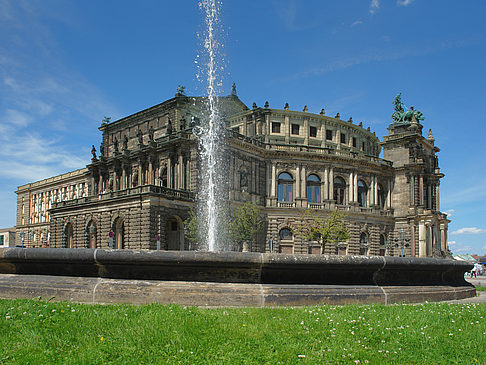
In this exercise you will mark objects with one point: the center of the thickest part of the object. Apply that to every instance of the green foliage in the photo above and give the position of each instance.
(41, 332)
(315, 225)
(191, 225)
(246, 223)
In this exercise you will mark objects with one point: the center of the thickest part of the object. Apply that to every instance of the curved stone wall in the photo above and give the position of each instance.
(227, 278)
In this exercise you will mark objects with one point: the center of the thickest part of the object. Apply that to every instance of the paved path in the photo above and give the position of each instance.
(480, 295)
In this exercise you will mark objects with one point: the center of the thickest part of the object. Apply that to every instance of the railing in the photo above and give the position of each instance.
(144, 189)
(286, 204)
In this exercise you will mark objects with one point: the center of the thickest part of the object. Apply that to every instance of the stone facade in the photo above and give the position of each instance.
(139, 190)
(7, 237)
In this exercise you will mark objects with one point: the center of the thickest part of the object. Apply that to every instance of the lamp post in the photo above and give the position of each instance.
(402, 241)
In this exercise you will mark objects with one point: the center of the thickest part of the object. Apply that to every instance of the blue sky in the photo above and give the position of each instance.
(64, 65)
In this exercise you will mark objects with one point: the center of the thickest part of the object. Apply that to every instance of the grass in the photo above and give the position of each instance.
(40, 332)
(481, 288)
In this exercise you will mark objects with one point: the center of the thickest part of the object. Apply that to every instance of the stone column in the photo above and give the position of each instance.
(331, 183)
(150, 173)
(375, 187)
(443, 237)
(267, 127)
(351, 188)
(303, 190)
(429, 196)
(100, 186)
(306, 131)
(273, 180)
(181, 172)
(323, 135)
(412, 240)
(388, 204)
(421, 190)
(297, 182)
(437, 201)
(325, 190)
(286, 127)
(169, 172)
(422, 240)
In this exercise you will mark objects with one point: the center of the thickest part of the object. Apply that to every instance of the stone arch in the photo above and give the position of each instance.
(364, 238)
(174, 233)
(68, 234)
(118, 229)
(92, 232)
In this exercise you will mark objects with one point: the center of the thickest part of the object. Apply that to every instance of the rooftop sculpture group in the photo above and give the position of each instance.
(402, 115)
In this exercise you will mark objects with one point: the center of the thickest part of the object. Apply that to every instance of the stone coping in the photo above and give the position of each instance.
(234, 267)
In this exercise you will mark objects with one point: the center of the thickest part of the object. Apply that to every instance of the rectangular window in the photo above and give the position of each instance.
(313, 131)
(1, 240)
(329, 135)
(363, 146)
(275, 127)
(236, 129)
(295, 128)
(343, 138)
(355, 142)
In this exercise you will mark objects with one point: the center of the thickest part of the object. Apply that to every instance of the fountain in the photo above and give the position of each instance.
(224, 278)
(211, 133)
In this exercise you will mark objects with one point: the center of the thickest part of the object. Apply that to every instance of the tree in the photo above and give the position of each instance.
(192, 227)
(326, 229)
(246, 224)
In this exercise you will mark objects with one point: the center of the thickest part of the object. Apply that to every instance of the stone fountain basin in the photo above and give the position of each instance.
(226, 278)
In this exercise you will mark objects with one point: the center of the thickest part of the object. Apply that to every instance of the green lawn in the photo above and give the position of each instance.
(39, 332)
(481, 288)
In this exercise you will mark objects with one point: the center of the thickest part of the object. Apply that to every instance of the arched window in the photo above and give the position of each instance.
(69, 236)
(91, 234)
(362, 193)
(339, 190)
(285, 234)
(285, 187)
(363, 244)
(313, 189)
(381, 197)
(382, 245)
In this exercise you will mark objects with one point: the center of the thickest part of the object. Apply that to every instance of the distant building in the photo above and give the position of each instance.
(7, 237)
(145, 179)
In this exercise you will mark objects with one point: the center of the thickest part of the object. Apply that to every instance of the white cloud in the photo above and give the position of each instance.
(465, 249)
(469, 230)
(388, 53)
(404, 2)
(451, 243)
(16, 118)
(374, 6)
(357, 22)
(449, 212)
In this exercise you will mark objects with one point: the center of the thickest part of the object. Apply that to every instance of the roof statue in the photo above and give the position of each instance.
(233, 90)
(181, 90)
(402, 115)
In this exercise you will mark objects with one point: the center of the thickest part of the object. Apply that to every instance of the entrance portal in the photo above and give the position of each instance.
(175, 234)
